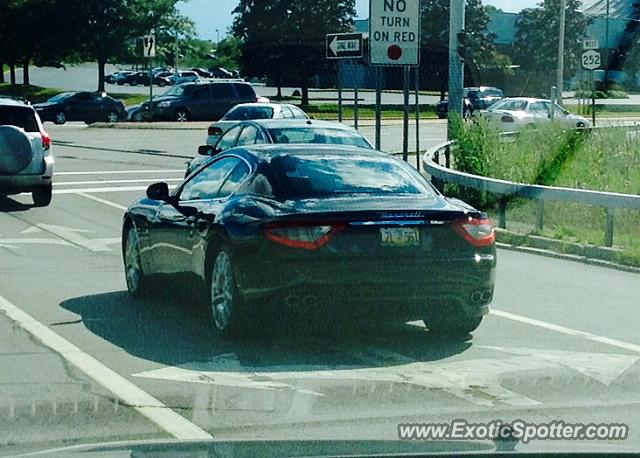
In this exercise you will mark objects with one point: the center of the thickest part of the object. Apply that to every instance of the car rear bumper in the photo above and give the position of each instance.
(14, 184)
(373, 288)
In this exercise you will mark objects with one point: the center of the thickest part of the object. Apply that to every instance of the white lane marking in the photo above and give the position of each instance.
(101, 182)
(118, 172)
(100, 190)
(75, 237)
(103, 201)
(568, 331)
(148, 406)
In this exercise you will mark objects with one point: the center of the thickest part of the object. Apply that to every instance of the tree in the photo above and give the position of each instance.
(481, 55)
(536, 42)
(109, 29)
(284, 40)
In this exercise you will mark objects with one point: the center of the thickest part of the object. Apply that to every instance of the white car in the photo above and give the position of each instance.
(184, 77)
(518, 113)
(252, 112)
(26, 156)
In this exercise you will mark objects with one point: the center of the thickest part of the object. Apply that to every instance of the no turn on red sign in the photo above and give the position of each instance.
(394, 32)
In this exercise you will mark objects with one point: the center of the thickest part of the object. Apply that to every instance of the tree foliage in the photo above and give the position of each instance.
(284, 40)
(536, 41)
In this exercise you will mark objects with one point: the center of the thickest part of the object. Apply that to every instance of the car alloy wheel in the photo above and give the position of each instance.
(135, 278)
(112, 117)
(60, 118)
(224, 296)
(182, 116)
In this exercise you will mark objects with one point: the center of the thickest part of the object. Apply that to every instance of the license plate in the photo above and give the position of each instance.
(400, 237)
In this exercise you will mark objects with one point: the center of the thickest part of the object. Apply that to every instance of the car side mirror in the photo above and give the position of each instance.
(158, 191)
(207, 150)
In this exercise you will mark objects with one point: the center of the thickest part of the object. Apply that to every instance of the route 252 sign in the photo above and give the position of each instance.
(591, 60)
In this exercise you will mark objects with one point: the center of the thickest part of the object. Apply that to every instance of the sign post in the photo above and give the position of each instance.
(591, 61)
(149, 51)
(394, 40)
(343, 46)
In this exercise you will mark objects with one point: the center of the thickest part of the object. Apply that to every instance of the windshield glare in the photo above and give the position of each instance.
(318, 135)
(249, 113)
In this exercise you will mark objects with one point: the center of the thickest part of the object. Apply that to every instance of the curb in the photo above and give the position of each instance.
(544, 246)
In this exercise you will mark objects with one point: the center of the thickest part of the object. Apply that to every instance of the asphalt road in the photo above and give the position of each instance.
(561, 342)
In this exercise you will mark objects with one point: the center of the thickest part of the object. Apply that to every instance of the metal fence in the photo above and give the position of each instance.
(609, 201)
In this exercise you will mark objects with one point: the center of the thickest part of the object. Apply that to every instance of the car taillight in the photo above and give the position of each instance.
(478, 232)
(305, 236)
(46, 140)
(214, 131)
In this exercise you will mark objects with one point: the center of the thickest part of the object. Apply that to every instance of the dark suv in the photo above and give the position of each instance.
(199, 101)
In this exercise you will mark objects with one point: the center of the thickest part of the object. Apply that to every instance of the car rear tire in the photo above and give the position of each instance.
(42, 196)
(133, 83)
(182, 115)
(453, 328)
(138, 283)
(224, 300)
(59, 118)
(112, 117)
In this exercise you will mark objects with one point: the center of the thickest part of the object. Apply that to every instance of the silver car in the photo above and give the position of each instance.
(26, 156)
(518, 113)
(252, 112)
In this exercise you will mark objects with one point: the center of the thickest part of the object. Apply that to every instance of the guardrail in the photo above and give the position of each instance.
(441, 174)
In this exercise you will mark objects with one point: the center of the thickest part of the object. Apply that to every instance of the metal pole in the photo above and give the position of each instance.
(378, 109)
(606, 47)
(593, 98)
(417, 73)
(356, 106)
(339, 92)
(150, 89)
(405, 118)
(560, 75)
(456, 65)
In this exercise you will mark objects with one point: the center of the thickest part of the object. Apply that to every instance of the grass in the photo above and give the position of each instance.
(330, 111)
(606, 160)
(37, 94)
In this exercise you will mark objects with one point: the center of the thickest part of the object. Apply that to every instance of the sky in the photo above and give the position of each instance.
(212, 15)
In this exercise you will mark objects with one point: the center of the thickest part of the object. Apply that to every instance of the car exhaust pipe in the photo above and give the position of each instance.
(309, 301)
(477, 297)
(292, 301)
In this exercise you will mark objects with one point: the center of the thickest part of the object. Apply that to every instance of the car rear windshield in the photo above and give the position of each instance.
(245, 91)
(332, 175)
(510, 105)
(21, 117)
(318, 135)
(60, 97)
(247, 113)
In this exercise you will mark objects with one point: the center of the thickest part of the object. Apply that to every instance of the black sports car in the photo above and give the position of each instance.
(326, 229)
(89, 107)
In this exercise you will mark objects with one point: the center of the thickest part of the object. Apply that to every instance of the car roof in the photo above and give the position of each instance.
(526, 99)
(13, 102)
(267, 152)
(301, 123)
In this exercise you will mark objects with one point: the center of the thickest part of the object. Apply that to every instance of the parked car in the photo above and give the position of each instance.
(339, 231)
(137, 78)
(202, 73)
(117, 77)
(199, 101)
(219, 72)
(184, 77)
(483, 97)
(517, 113)
(89, 107)
(134, 113)
(252, 111)
(281, 131)
(442, 109)
(26, 154)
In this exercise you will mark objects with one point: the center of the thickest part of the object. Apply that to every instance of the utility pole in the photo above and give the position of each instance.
(606, 48)
(560, 75)
(456, 64)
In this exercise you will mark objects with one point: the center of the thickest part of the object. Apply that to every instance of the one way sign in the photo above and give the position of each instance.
(149, 46)
(344, 45)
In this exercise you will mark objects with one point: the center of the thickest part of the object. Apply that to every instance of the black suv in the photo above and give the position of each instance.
(199, 101)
